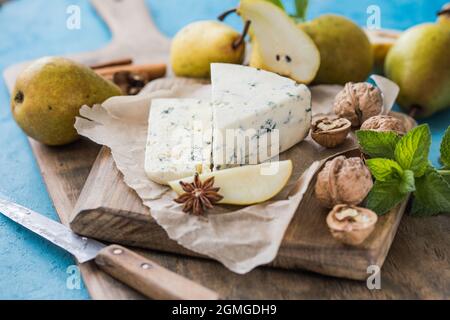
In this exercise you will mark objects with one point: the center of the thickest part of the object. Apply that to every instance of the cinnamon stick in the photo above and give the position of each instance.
(112, 63)
(153, 71)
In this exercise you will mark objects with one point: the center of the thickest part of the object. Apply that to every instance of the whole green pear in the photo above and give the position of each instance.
(345, 50)
(48, 95)
(201, 43)
(419, 63)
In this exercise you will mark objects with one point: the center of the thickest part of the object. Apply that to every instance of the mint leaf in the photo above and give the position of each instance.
(277, 3)
(432, 194)
(446, 176)
(383, 169)
(378, 144)
(411, 152)
(384, 196)
(407, 183)
(300, 9)
(445, 149)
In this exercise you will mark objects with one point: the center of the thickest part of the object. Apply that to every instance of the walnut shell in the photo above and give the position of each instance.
(384, 123)
(329, 131)
(358, 102)
(350, 224)
(343, 180)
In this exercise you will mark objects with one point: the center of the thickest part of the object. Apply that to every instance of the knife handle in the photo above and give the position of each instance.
(149, 278)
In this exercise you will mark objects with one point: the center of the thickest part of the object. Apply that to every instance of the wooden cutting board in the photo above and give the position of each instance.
(414, 268)
(109, 210)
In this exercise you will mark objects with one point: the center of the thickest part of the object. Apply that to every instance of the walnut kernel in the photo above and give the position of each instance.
(350, 224)
(330, 131)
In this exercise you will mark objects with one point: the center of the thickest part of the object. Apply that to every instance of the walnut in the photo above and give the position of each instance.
(350, 224)
(358, 102)
(343, 180)
(330, 131)
(384, 123)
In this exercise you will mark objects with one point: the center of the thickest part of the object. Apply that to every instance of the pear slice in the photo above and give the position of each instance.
(248, 184)
(382, 41)
(282, 46)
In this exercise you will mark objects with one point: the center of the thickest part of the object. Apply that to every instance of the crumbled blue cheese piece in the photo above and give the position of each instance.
(256, 115)
(179, 139)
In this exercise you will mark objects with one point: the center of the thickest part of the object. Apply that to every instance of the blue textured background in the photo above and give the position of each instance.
(30, 268)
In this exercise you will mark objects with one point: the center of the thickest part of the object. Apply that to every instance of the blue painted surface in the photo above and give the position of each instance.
(31, 268)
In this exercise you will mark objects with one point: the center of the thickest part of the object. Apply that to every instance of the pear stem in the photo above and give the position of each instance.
(241, 38)
(443, 12)
(226, 14)
(414, 111)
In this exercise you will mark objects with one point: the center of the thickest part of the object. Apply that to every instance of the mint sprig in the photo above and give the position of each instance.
(407, 182)
(378, 144)
(384, 196)
(445, 149)
(432, 194)
(278, 3)
(411, 152)
(400, 166)
(445, 156)
(301, 7)
(384, 169)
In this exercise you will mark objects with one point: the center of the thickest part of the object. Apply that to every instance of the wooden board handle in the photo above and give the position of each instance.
(149, 278)
(129, 20)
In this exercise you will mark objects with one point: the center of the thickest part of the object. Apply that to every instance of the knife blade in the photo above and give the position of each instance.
(82, 248)
(140, 273)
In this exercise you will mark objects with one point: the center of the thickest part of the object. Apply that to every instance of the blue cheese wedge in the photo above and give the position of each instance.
(179, 139)
(256, 115)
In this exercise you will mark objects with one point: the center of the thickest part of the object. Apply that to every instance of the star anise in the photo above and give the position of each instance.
(198, 196)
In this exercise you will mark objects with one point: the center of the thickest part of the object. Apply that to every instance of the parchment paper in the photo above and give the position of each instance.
(241, 238)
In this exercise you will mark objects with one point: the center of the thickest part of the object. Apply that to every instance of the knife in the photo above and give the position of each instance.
(138, 272)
